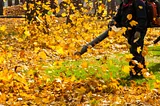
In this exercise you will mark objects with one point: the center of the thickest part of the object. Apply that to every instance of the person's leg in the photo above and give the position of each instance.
(138, 60)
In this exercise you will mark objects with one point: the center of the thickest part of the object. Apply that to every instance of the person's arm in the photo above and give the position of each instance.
(117, 17)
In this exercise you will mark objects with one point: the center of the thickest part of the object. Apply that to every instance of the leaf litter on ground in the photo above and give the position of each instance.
(25, 57)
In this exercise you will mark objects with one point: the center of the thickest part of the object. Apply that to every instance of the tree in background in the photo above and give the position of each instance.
(9, 2)
(16, 2)
(1, 7)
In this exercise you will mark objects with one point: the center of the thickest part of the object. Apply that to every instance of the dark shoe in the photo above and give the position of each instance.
(131, 77)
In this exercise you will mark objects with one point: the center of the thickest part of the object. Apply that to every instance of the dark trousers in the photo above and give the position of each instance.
(137, 55)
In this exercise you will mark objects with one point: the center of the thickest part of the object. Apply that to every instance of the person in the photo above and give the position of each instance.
(134, 34)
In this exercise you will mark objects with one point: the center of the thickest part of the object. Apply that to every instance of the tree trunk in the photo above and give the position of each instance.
(9, 2)
(16, 2)
(1, 7)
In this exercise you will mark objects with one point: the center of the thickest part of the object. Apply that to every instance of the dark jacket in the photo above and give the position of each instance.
(137, 9)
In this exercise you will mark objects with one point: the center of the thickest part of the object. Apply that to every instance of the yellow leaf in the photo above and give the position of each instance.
(9, 55)
(57, 10)
(20, 78)
(140, 7)
(81, 90)
(157, 81)
(123, 30)
(3, 28)
(133, 23)
(129, 56)
(20, 40)
(36, 49)
(42, 55)
(153, 77)
(60, 50)
(139, 49)
(84, 65)
(1, 59)
(64, 14)
(72, 7)
(89, 94)
(111, 33)
(30, 72)
(9, 77)
(73, 78)
(10, 48)
(24, 7)
(154, 19)
(45, 100)
(129, 16)
(58, 63)
(126, 69)
(129, 28)
(140, 65)
(67, 1)
(110, 62)
(100, 9)
(27, 33)
(109, 0)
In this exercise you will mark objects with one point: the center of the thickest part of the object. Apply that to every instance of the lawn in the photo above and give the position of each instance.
(107, 66)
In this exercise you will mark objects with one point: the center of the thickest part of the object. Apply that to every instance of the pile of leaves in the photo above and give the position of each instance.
(34, 88)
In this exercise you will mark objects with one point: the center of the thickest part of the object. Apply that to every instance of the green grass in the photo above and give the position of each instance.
(106, 66)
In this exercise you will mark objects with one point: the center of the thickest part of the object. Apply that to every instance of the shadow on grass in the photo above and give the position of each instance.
(155, 68)
(124, 81)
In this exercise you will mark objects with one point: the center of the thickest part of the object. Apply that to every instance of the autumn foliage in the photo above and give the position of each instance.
(27, 52)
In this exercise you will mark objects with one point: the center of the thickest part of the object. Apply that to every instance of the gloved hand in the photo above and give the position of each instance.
(111, 23)
(137, 35)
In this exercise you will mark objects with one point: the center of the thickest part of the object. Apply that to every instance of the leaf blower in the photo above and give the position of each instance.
(157, 40)
(94, 42)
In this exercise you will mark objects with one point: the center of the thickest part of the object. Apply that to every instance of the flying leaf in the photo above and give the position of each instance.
(126, 69)
(140, 65)
(133, 23)
(129, 16)
(100, 9)
(25, 7)
(139, 49)
(72, 7)
(140, 7)
(129, 56)
(64, 14)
